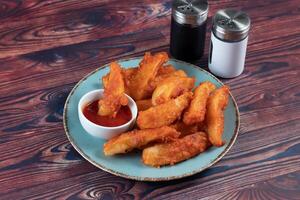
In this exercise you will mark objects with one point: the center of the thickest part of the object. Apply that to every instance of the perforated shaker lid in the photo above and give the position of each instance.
(231, 25)
(192, 12)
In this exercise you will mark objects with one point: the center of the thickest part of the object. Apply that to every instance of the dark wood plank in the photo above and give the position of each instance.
(72, 25)
(281, 187)
(76, 60)
(47, 46)
(64, 24)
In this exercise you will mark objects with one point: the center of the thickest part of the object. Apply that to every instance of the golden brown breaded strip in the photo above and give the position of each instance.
(216, 104)
(105, 80)
(140, 83)
(137, 139)
(128, 73)
(163, 114)
(196, 110)
(114, 93)
(144, 104)
(163, 72)
(184, 129)
(175, 151)
(165, 69)
(161, 77)
(170, 88)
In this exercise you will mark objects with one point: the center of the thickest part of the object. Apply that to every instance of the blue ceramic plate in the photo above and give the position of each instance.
(130, 165)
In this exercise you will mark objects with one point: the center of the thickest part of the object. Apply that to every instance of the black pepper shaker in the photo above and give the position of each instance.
(188, 29)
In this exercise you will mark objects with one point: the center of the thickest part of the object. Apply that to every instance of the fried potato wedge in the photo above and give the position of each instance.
(144, 104)
(184, 129)
(166, 69)
(137, 139)
(216, 104)
(139, 86)
(175, 151)
(197, 109)
(170, 88)
(160, 77)
(114, 93)
(128, 73)
(164, 114)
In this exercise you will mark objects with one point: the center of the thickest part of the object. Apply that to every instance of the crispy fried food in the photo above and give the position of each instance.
(179, 73)
(184, 129)
(170, 88)
(114, 96)
(175, 151)
(163, 114)
(128, 73)
(202, 126)
(105, 80)
(216, 104)
(161, 77)
(138, 138)
(139, 86)
(165, 69)
(197, 109)
(144, 104)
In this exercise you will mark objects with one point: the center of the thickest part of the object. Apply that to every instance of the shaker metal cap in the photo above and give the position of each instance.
(192, 12)
(231, 25)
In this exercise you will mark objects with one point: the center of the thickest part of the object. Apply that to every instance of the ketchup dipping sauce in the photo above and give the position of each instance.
(123, 116)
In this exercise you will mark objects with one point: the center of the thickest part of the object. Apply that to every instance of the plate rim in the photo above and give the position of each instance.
(138, 178)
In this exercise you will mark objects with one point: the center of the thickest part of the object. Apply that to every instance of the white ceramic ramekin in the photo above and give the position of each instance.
(103, 131)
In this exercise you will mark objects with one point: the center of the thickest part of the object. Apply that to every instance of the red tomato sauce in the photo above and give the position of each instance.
(123, 116)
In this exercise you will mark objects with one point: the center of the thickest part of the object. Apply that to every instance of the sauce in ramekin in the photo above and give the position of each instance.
(123, 116)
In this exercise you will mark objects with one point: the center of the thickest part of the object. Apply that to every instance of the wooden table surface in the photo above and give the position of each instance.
(48, 46)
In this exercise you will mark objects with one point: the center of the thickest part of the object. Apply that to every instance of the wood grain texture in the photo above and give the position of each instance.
(48, 46)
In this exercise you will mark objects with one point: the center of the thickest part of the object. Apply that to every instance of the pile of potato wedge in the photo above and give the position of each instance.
(177, 119)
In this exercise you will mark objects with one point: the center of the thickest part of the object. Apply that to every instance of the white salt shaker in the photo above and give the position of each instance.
(229, 37)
